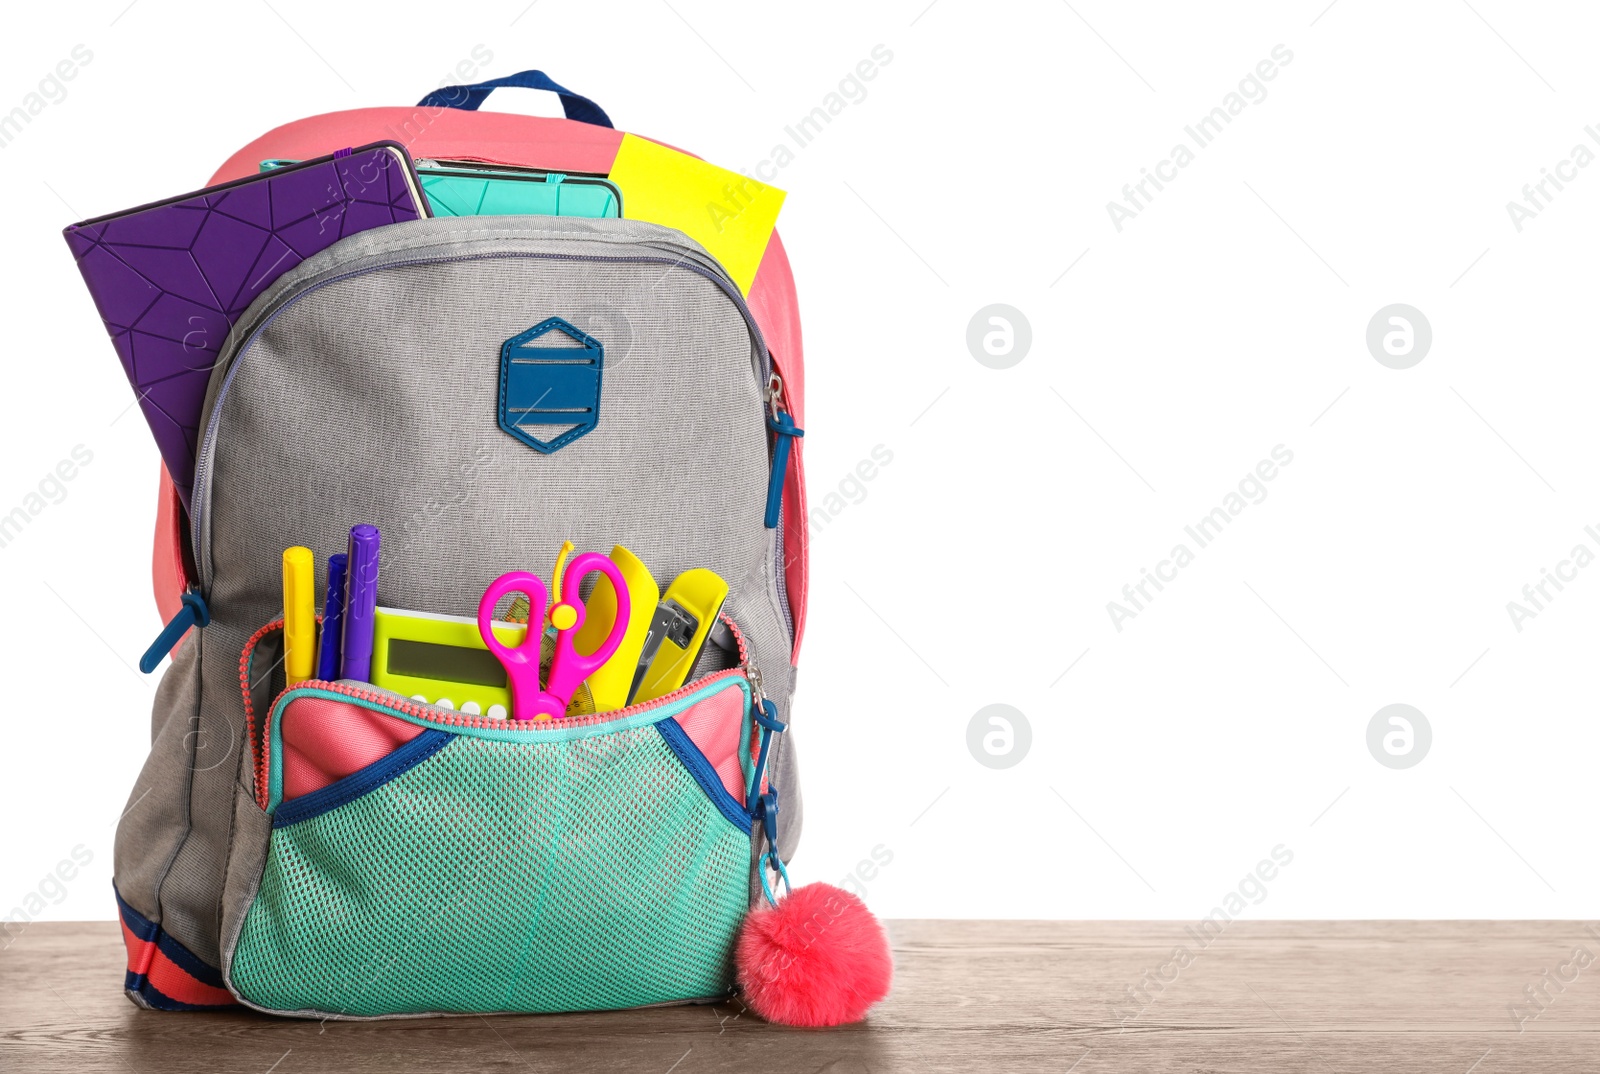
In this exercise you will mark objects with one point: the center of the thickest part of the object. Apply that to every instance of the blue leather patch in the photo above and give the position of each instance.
(550, 385)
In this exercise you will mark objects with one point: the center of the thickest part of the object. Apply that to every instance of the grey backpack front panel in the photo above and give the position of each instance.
(364, 387)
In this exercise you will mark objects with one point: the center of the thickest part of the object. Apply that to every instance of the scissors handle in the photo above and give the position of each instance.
(570, 667)
(528, 699)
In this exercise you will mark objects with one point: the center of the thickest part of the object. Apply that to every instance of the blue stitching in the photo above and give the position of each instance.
(700, 770)
(363, 781)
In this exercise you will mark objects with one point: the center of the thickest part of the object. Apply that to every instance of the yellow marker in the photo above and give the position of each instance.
(731, 215)
(609, 686)
(299, 614)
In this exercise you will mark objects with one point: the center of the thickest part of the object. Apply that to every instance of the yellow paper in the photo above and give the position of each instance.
(731, 215)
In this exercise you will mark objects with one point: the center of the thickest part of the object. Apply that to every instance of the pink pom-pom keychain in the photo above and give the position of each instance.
(815, 957)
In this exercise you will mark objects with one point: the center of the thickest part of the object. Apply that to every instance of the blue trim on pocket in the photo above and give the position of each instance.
(362, 781)
(679, 742)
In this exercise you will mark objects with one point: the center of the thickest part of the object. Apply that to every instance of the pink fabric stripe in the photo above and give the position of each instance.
(713, 726)
(325, 740)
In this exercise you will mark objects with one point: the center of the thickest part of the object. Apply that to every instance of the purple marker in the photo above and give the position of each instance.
(332, 619)
(361, 604)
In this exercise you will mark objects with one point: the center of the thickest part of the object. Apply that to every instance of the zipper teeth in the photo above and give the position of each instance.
(257, 754)
(203, 464)
(462, 719)
(395, 703)
(398, 703)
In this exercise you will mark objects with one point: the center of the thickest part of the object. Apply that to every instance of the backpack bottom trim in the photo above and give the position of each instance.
(164, 975)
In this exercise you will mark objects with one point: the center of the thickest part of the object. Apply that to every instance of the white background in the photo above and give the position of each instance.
(1229, 317)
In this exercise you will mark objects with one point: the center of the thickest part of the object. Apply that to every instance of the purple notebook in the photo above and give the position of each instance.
(170, 279)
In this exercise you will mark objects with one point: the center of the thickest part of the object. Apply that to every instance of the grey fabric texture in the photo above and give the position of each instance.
(362, 387)
(155, 819)
(252, 829)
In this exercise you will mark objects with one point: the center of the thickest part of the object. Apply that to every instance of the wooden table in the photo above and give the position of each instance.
(1388, 996)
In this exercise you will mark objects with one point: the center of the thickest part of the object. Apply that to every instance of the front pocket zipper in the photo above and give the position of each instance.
(586, 864)
(257, 683)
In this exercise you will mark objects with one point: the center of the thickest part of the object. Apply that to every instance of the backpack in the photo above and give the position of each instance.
(471, 867)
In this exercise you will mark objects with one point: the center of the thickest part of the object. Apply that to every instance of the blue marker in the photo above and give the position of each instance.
(332, 619)
(360, 605)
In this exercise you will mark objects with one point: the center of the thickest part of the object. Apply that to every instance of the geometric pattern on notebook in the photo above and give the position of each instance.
(170, 281)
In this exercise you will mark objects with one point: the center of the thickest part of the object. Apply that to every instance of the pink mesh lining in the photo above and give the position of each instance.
(326, 740)
(713, 725)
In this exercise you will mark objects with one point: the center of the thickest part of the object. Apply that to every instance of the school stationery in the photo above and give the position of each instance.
(171, 278)
(299, 614)
(609, 685)
(621, 860)
(568, 667)
(331, 641)
(678, 633)
(442, 660)
(360, 604)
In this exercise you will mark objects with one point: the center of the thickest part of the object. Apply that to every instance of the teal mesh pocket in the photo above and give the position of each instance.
(587, 869)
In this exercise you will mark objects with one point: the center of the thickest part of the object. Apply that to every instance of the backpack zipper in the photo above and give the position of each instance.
(191, 613)
(262, 750)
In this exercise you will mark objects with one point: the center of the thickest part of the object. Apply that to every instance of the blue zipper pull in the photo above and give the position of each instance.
(786, 430)
(193, 613)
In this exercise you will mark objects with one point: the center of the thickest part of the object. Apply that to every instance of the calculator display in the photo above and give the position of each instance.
(447, 663)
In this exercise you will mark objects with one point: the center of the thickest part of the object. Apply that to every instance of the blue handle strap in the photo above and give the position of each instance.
(469, 98)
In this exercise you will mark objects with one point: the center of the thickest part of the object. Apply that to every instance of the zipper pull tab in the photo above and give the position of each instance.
(785, 431)
(766, 717)
(193, 613)
(752, 675)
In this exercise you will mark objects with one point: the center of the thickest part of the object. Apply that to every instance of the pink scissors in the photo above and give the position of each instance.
(529, 699)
